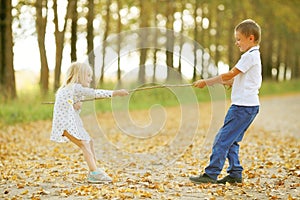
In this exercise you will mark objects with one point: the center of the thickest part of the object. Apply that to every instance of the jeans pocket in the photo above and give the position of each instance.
(252, 110)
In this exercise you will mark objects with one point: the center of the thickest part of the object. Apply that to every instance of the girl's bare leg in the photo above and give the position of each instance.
(86, 148)
(93, 150)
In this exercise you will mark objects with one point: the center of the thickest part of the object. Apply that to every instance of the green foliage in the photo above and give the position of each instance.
(29, 105)
(284, 87)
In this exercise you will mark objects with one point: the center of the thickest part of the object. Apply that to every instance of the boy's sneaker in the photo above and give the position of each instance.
(229, 179)
(99, 177)
(202, 179)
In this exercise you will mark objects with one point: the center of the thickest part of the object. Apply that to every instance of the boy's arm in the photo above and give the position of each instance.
(228, 83)
(221, 79)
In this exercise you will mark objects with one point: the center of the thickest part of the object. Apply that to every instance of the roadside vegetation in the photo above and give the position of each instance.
(29, 105)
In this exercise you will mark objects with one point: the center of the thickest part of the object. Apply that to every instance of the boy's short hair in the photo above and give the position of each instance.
(249, 27)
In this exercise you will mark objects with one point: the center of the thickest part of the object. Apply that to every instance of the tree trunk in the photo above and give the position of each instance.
(206, 41)
(286, 58)
(210, 38)
(195, 39)
(8, 84)
(2, 41)
(296, 71)
(59, 39)
(155, 41)
(218, 36)
(294, 58)
(267, 49)
(181, 38)
(90, 38)
(202, 43)
(74, 33)
(119, 40)
(170, 38)
(296, 63)
(106, 31)
(143, 40)
(41, 22)
(269, 58)
(233, 52)
(278, 63)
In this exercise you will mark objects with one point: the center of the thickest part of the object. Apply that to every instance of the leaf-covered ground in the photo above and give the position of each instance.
(147, 166)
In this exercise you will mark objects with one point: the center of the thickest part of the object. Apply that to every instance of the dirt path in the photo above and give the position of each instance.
(155, 166)
(280, 115)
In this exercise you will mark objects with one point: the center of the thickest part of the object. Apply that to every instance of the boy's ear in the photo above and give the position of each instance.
(251, 37)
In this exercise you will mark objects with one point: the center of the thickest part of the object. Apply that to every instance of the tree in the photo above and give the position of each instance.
(2, 42)
(170, 37)
(7, 74)
(155, 41)
(232, 12)
(296, 65)
(214, 23)
(181, 39)
(59, 38)
(205, 41)
(195, 39)
(105, 35)
(41, 22)
(219, 28)
(90, 39)
(119, 39)
(74, 33)
(144, 22)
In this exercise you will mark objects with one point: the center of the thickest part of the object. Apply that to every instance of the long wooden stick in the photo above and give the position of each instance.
(158, 86)
(133, 90)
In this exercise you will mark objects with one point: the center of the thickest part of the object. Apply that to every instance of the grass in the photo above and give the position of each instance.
(28, 107)
(275, 88)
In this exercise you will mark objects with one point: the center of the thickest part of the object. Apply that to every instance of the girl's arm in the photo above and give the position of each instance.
(87, 92)
(97, 93)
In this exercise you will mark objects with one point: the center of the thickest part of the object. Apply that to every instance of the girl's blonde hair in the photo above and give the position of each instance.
(77, 73)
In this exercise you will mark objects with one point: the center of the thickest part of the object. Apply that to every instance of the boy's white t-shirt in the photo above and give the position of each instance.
(246, 84)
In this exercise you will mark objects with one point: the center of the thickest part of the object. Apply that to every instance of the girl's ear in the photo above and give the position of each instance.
(251, 37)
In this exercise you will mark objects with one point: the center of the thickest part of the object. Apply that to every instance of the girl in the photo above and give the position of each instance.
(67, 124)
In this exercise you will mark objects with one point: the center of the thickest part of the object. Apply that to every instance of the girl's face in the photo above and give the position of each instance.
(242, 42)
(87, 79)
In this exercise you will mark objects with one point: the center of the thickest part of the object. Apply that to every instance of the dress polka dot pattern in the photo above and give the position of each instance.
(65, 117)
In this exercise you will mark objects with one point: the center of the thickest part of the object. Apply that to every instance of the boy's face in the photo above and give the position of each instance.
(242, 42)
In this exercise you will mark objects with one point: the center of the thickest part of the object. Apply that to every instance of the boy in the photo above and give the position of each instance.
(246, 80)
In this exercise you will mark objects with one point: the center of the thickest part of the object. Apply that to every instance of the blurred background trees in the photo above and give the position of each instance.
(7, 76)
(209, 23)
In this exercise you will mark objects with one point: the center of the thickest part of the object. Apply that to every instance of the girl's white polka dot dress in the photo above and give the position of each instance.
(65, 117)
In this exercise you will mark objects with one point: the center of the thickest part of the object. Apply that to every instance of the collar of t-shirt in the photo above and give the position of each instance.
(255, 48)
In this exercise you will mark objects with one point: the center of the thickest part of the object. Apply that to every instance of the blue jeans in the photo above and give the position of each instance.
(237, 121)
